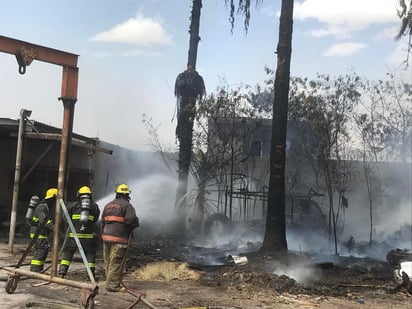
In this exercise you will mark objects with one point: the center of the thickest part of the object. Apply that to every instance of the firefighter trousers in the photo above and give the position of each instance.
(89, 246)
(113, 256)
(41, 249)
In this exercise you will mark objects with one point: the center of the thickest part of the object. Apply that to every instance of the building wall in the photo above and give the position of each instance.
(43, 176)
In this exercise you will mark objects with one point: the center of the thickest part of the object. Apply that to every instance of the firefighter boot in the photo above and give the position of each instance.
(36, 268)
(63, 270)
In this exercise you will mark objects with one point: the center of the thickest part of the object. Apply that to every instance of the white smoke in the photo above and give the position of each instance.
(300, 272)
(152, 196)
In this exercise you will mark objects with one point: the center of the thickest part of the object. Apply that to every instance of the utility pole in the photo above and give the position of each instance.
(19, 153)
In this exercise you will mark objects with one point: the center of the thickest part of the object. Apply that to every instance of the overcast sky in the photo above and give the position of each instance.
(132, 50)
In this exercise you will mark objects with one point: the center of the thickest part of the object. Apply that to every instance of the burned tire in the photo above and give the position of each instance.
(218, 225)
(11, 285)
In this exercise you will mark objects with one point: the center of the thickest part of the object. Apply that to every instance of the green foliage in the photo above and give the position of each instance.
(227, 103)
(325, 104)
(385, 121)
(224, 121)
(328, 104)
(222, 116)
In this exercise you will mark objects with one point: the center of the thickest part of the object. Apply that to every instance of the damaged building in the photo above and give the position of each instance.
(244, 145)
(98, 164)
(40, 153)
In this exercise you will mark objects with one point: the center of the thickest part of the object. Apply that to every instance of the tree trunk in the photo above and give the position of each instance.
(275, 234)
(187, 112)
(185, 136)
(194, 34)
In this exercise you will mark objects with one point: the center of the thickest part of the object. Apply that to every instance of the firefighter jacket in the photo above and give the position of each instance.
(118, 221)
(42, 218)
(83, 229)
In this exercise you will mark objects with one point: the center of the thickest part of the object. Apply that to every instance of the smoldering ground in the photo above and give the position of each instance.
(153, 196)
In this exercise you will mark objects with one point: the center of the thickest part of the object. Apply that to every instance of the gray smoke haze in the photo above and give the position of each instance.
(152, 197)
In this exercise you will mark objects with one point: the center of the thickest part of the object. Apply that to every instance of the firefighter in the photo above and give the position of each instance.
(84, 214)
(42, 219)
(118, 222)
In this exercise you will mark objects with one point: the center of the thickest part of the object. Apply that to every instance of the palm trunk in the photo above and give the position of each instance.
(187, 111)
(185, 136)
(275, 234)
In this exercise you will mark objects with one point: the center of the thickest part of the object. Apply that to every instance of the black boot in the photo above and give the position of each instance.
(63, 270)
(36, 269)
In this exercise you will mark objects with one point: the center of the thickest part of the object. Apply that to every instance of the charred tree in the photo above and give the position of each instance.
(275, 234)
(189, 88)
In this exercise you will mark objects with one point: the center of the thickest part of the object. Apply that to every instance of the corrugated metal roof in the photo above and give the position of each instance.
(9, 128)
(8, 125)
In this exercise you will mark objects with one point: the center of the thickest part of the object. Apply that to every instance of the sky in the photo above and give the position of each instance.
(130, 52)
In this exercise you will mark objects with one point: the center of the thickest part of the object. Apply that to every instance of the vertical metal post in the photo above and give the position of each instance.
(62, 177)
(69, 98)
(16, 186)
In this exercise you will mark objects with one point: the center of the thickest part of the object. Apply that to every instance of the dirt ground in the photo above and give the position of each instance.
(341, 283)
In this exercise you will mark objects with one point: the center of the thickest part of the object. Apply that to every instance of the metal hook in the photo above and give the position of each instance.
(24, 58)
(22, 69)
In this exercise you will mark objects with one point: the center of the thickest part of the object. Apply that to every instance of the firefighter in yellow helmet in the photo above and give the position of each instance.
(118, 222)
(84, 214)
(43, 220)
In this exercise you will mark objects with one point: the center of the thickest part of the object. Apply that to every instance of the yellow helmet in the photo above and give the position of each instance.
(84, 190)
(123, 189)
(51, 193)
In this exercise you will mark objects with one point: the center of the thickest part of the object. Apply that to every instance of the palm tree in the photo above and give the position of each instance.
(275, 234)
(189, 88)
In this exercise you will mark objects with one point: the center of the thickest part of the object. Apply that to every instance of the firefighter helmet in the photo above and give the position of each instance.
(123, 189)
(84, 190)
(51, 193)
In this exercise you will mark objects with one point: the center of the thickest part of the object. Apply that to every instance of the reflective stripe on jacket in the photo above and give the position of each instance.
(38, 236)
(82, 235)
(40, 215)
(84, 228)
(118, 221)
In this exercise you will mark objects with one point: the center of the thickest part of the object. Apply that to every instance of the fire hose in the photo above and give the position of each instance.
(139, 295)
(48, 305)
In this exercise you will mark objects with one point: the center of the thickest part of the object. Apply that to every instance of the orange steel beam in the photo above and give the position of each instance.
(68, 96)
(46, 54)
(69, 83)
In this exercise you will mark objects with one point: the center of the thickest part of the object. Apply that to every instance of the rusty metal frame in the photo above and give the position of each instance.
(46, 54)
(75, 141)
(25, 53)
(87, 291)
